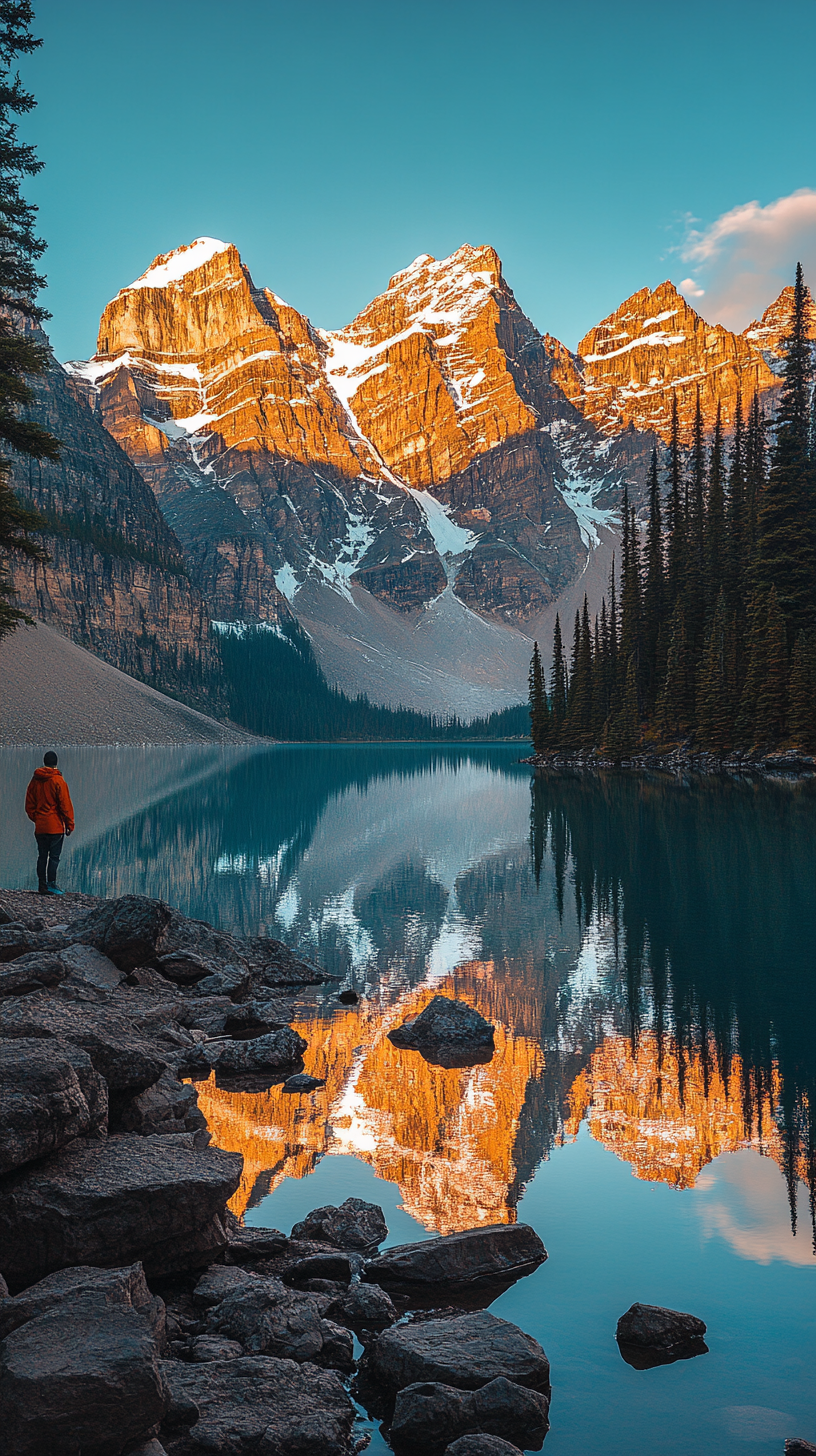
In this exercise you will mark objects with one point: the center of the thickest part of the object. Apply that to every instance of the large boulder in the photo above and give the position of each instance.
(131, 931)
(653, 1327)
(467, 1351)
(269, 1319)
(496, 1254)
(126, 1287)
(448, 1032)
(277, 965)
(428, 1416)
(354, 1225)
(81, 1379)
(158, 1199)
(49, 1095)
(245, 1244)
(89, 966)
(16, 939)
(31, 973)
(128, 1063)
(257, 1407)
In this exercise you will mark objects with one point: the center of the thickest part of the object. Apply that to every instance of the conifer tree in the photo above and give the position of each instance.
(755, 653)
(631, 626)
(717, 690)
(737, 532)
(771, 707)
(623, 735)
(654, 590)
(579, 712)
(677, 546)
(715, 519)
(694, 577)
(539, 709)
(558, 685)
(755, 472)
(614, 638)
(675, 704)
(20, 354)
(802, 705)
(786, 523)
(599, 687)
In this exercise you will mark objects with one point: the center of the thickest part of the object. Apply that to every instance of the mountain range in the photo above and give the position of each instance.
(421, 489)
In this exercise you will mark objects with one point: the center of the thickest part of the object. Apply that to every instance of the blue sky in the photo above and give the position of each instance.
(599, 146)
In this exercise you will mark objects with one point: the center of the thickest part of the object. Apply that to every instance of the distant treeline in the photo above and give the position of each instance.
(276, 687)
(709, 636)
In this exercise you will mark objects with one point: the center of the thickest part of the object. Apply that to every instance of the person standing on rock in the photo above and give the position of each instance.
(48, 804)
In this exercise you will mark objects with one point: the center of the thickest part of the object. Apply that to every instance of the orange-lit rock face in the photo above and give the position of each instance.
(769, 333)
(424, 368)
(653, 347)
(445, 1136)
(637, 1106)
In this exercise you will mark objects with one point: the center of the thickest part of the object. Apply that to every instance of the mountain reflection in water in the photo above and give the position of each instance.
(645, 949)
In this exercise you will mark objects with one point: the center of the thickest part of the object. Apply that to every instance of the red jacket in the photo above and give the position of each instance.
(48, 802)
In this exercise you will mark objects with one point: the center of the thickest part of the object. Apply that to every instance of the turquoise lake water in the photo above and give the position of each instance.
(647, 952)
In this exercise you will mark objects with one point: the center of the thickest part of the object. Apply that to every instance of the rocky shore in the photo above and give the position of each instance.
(137, 1315)
(677, 760)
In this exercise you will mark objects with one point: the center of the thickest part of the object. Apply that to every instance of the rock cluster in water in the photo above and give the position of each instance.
(136, 1314)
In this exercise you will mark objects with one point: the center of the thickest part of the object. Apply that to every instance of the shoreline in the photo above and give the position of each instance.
(678, 761)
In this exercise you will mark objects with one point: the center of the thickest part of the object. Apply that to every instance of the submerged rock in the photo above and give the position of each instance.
(467, 1351)
(497, 1253)
(354, 1225)
(447, 1032)
(302, 1082)
(429, 1415)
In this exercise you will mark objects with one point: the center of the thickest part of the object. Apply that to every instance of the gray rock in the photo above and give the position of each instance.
(467, 1352)
(31, 973)
(149, 1448)
(796, 1447)
(322, 1266)
(259, 1407)
(269, 1319)
(247, 1244)
(482, 1446)
(354, 1225)
(302, 1082)
(498, 1253)
(42, 1099)
(16, 939)
(337, 1352)
(130, 930)
(275, 1052)
(83, 1377)
(128, 1063)
(254, 1017)
(364, 1307)
(158, 1199)
(167, 1106)
(429, 1416)
(277, 965)
(209, 1347)
(232, 981)
(656, 1328)
(186, 967)
(218, 1282)
(126, 1287)
(89, 965)
(4, 1289)
(447, 1031)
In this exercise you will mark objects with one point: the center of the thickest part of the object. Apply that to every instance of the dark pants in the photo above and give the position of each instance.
(50, 847)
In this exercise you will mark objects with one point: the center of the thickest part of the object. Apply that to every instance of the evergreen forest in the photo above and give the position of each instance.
(708, 636)
(276, 687)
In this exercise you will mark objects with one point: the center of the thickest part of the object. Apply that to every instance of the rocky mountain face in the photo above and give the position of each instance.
(117, 581)
(422, 488)
(419, 461)
(654, 347)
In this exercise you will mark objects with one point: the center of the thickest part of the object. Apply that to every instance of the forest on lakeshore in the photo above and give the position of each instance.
(276, 687)
(708, 636)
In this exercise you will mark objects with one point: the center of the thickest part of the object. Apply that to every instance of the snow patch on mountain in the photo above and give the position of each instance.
(448, 538)
(171, 267)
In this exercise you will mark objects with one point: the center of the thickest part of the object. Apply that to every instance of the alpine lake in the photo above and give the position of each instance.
(646, 948)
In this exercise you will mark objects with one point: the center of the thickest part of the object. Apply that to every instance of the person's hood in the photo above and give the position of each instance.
(47, 773)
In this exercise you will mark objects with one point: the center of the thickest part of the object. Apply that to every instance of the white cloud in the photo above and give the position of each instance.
(744, 259)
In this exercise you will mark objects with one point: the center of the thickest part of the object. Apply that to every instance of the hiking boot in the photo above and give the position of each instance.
(42, 889)
(52, 890)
